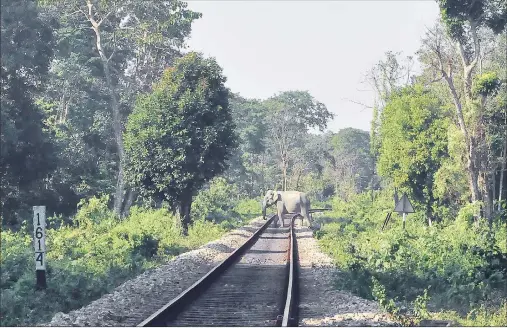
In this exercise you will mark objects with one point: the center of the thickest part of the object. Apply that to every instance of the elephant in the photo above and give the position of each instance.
(287, 202)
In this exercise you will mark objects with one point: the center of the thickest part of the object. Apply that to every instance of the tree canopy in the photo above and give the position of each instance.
(27, 155)
(179, 136)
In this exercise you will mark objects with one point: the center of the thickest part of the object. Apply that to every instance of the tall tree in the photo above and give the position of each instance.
(290, 115)
(414, 142)
(109, 51)
(181, 135)
(26, 151)
(249, 164)
(462, 21)
(351, 162)
(386, 77)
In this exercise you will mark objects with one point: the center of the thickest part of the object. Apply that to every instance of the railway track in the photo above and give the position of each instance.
(255, 286)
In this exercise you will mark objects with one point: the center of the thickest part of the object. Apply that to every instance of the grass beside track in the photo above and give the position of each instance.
(94, 254)
(455, 270)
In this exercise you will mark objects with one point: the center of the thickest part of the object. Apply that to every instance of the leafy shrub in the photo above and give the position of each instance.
(202, 232)
(248, 208)
(219, 204)
(216, 203)
(94, 254)
(92, 211)
(486, 84)
(458, 264)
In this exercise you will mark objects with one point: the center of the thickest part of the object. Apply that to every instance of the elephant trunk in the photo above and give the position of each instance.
(264, 209)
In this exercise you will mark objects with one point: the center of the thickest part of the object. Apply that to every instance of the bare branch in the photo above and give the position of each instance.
(358, 103)
(114, 47)
(104, 18)
(477, 46)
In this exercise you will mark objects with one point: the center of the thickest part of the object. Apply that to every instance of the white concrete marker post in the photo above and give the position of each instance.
(39, 243)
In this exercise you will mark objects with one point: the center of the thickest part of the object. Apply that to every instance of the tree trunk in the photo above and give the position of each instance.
(184, 212)
(120, 183)
(284, 174)
(468, 67)
(297, 180)
(472, 172)
(493, 189)
(157, 201)
(131, 195)
(502, 172)
(118, 134)
(488, 199)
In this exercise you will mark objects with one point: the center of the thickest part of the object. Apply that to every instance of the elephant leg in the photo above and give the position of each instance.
(305, 215)
(280, 213)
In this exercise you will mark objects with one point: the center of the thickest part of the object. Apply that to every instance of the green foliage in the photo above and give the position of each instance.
(250, 121)
(92, 257)
(179, 136)
(414, 142)
(290, 115)
(479, 317)
(92, 211)
(247, 169)
(351, 162)
(421, 305)
(216, 202)
(457, 13)
(248, 208)
(62, 91)
(297, 111)
(455, 265)
(450, 180)
(202, 232)
(27, 154)
(486, 84)
(219, 204)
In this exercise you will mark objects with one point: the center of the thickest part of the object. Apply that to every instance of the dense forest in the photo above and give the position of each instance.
(140, 152)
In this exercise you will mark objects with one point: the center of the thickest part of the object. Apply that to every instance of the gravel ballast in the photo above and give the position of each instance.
(133, 301)
(250, 292)
(320, 303)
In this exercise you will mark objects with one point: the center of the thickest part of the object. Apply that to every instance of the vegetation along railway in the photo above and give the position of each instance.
(256, 285)
(129, 158)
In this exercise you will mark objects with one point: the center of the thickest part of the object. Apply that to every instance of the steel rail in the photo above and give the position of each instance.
(177, 305)
(289, 318)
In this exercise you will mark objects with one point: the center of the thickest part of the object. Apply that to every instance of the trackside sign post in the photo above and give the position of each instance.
(404, 207)
(39, 243)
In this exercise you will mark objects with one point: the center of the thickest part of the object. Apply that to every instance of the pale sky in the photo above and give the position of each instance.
(325, 47)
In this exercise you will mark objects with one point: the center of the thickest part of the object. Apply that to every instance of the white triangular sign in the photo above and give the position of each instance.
(404, 205)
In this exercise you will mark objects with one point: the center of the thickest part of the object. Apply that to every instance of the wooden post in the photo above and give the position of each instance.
(404, 218)
(39, 243)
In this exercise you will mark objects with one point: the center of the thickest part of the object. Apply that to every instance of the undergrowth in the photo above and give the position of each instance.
(97, 252)
(456, 268)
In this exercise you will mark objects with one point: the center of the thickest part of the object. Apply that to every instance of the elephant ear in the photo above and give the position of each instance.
(277, 196)
(268, 193)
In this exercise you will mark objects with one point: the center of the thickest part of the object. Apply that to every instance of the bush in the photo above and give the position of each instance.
(96, 253)
(460, 263)
(219, 204)
(248, 208)
(92, 211)
(216, 203)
